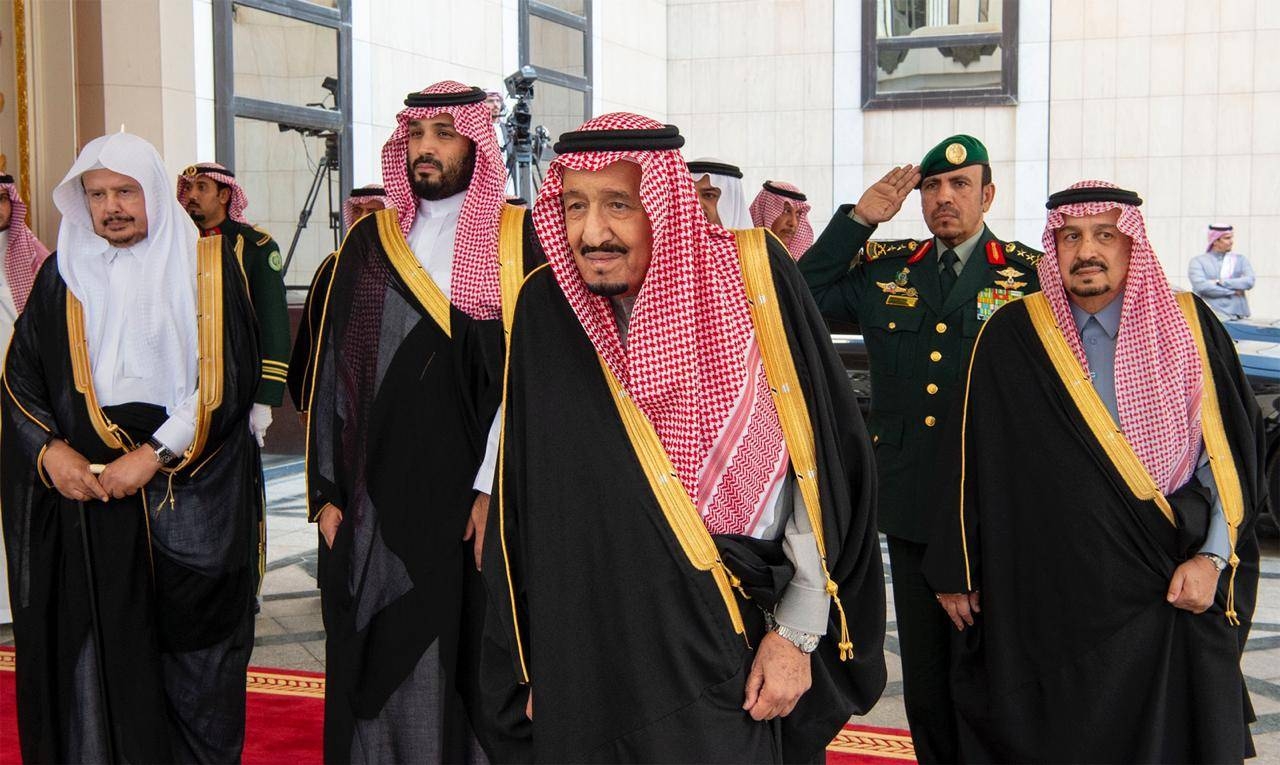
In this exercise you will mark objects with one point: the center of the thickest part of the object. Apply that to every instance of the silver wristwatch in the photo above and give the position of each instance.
(164, 455)
(805, 641)
(1216, 560)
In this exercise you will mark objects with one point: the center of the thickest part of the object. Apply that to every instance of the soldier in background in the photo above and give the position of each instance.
(210, 195)
(920, 304)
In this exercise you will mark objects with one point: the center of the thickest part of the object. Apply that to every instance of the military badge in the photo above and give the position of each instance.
(1010, 275)
(275, 261)
(898, 293)
(992, 298)
(956, 153)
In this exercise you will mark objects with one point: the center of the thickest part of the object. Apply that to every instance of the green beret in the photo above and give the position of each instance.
(952, 154)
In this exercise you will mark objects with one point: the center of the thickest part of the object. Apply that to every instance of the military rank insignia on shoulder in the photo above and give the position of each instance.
(1021, 252)
(264, 238)
(901, 248)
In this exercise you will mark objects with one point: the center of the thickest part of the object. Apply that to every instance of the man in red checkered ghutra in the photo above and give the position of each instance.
(683, 558)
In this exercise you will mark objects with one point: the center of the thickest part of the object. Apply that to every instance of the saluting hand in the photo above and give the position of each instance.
(70, 473)
(125, 475)
(885, 197)
(960, 607)
(780, 675)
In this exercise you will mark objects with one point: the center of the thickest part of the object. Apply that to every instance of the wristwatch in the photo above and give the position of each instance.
(1216, 560)
(805, 641)
(164, 455)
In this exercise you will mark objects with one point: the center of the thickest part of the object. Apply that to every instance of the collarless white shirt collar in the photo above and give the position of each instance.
(432, 235)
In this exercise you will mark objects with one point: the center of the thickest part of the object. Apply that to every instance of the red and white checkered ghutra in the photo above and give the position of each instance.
(239, 201)
(474, 281)
(25, 255)
(767, 206)
(691, 362)
(1159, 381)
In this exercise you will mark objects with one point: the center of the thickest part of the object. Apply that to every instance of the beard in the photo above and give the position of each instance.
(196, 215)
(453, 179)
(607, 289)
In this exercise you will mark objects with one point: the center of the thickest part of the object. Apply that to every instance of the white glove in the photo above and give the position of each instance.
(259, 421)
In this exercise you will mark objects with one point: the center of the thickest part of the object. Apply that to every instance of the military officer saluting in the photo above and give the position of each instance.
(210, 195)
(920, 304)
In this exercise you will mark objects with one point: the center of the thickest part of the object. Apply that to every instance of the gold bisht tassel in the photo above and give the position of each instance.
(1232, 617)
(846, 645)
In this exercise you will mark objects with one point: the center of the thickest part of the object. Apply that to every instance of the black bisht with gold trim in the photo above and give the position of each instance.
(1076, 655)
(636, 638)
(176, 565)
(403, 389)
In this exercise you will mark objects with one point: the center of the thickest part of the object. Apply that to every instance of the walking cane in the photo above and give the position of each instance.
(96, 619)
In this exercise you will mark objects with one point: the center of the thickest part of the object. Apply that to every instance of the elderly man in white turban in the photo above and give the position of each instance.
(129, 478)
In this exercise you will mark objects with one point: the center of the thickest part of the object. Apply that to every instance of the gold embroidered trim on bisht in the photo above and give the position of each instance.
(406, 264)
(1095, 413)
(788, 397)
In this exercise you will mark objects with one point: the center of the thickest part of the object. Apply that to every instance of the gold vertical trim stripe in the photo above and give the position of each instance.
(677, 507)
(82, 374)
(1095, 413)
(24, 106)
(209, 365)
(510, 261)
(1221, 461)
(964, 426)
(406, 264)
(502, 503)
(788, 397)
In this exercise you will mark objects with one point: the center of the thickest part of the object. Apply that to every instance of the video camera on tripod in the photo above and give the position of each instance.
(525, 143)
(325, 168)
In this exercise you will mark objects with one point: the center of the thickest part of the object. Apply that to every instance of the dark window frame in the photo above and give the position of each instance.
(581, 23)
(1005, 95)
(227, 106)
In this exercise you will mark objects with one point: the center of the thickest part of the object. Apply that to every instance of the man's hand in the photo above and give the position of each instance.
(885, 197)
(960, 607)
(259, 420)
(1193, 585)
(329, 519)
(126, 474)
(528, 705)
(475, 525)
(70, 473)
(780, 675)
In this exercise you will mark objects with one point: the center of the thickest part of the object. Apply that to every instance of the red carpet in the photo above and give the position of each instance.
(283, 719)
(285, 711)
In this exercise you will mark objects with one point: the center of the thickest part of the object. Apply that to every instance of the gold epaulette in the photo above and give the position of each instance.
(1029, 255)
(898, 248)
(265, 236)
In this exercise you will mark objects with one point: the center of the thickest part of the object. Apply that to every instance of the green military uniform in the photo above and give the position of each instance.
(260, 258)
(918, 343)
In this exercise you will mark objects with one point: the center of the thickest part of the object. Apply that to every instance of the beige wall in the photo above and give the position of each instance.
(751, 83)
(1179, 99)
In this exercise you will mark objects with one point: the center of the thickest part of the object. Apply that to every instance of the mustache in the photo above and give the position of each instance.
(117, 219)
(427, 159)
(1090, 263)
(615, 249)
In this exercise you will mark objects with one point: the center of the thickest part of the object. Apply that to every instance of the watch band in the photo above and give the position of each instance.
(164, 455)
(805, 641)
(1215, 559)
